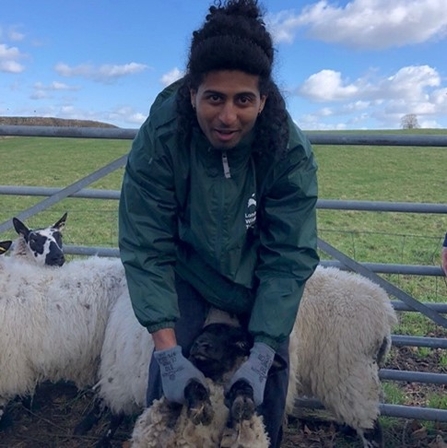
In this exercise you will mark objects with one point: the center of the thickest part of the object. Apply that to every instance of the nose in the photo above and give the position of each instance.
(55, 259)
(228, 114)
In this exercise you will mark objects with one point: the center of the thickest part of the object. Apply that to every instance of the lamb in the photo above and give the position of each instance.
(42, 245)
(340, 339)
(53, 320)
(205, 421)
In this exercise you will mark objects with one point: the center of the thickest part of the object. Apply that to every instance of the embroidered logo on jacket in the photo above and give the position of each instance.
(250, 214)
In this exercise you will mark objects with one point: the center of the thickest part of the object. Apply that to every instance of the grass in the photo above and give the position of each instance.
(369, 173)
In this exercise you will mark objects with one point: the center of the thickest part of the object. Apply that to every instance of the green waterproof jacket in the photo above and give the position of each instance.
(241, 231)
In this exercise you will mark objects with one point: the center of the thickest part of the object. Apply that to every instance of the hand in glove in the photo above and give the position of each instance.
(254, 370)
(176, 373)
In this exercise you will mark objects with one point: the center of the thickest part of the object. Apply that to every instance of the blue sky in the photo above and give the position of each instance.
(359, 64)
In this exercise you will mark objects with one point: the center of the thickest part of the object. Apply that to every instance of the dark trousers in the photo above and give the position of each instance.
(193, 312)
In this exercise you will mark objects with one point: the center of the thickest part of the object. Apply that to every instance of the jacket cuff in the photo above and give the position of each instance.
(444, 244)
(160, 326)
(267, 340)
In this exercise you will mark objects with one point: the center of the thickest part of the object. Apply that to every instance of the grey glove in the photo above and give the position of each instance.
(255, 370)
(176, 372)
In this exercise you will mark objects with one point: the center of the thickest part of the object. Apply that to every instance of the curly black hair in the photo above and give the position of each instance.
(234, 37)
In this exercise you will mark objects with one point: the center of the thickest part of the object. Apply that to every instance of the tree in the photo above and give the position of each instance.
(409, 121)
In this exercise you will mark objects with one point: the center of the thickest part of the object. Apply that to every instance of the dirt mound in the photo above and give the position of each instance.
(52, 121)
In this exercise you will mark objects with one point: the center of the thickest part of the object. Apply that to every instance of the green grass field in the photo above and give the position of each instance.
(370, 173)
(398, 174)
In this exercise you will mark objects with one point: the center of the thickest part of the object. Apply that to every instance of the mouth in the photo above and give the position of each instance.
(225, 134)
(199, 357)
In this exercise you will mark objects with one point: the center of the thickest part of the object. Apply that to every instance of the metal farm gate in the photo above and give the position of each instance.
(404, 302)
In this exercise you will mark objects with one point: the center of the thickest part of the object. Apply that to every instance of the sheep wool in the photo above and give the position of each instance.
(154, 428)
(124, 365)
(53, 320)
(341, 335)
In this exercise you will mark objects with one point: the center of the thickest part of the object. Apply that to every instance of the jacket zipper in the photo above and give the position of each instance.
(226, 166)
(227, 175)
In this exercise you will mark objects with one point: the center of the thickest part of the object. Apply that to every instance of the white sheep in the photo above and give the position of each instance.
(341, 336)
(42, 245)
(127, 348)
(342, 332)
(53, 321)
(205, 421)
(123, 371)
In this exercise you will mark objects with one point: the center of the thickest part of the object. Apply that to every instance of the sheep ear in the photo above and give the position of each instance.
(59, 225)
(21, 228)
(4, 246)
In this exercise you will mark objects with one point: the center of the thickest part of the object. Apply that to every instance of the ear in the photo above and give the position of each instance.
(193, 96)
(262, 104)
(59, 225)
(21, 228)
(4, 246)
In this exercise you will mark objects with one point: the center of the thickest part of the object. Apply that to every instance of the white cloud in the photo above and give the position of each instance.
(372, 24)
(312, 122)
(54, 86)
(410, 82)
(429, 124)
(102, 73)
(8, 59)
(11, 33)
(412, 89)
(126, 114)
(439, 97)
(327, 85)
(39, 95)
(170, 77)
(15, 35)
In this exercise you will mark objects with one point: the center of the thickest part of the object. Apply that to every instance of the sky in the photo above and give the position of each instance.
(359, 64)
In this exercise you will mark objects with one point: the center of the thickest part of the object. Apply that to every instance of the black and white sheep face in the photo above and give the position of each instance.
(217, 349)
(44, 245)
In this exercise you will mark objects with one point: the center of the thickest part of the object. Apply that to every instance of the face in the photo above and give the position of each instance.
(227, 104)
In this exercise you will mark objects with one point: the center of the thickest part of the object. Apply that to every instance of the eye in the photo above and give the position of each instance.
(245, 100)
(214, 98)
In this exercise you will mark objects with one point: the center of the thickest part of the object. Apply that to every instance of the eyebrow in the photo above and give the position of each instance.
(217, 92)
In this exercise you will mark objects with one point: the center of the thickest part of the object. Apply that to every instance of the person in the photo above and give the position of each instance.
(444, 255)
(218, 208)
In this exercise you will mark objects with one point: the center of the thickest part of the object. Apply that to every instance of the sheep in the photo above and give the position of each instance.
(340, 339)
(205, 420)
(53, 320)
(127, 347)
(42, 245)
(123, 370)
(125, 354)
(356, 315)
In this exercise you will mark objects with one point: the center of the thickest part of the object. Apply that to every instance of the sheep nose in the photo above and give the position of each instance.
(55, 260)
